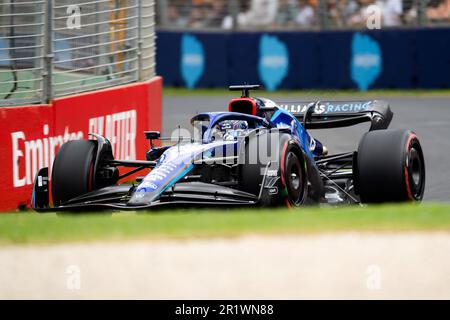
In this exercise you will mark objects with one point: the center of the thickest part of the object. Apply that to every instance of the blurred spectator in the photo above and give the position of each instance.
(435, 11)
(439, 11)
(299, 13)
(178, 13)
(241, 17)
(347, 8)
(359, 17)
(392, 12)
(197, 16)
(215, 13)
(175, 19)
(334, 13)
(286, 13)
(306, 14)
(261, 13)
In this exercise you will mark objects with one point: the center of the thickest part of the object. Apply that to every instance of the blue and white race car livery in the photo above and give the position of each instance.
(257, 153)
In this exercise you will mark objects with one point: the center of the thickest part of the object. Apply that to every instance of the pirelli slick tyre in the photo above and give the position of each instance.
(72, 173)
(390, 167)
(286, 174)
(294, 181)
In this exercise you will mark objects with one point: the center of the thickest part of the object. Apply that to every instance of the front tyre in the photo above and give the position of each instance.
(72, 173)
(390, 167)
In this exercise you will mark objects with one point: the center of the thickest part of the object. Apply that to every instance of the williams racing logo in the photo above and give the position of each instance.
(330, 107)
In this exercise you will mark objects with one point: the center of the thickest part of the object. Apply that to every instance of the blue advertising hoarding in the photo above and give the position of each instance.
(400, 58)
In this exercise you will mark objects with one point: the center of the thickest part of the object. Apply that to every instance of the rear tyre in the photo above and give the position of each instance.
(293, 176)
(72, 173)
(286, 173)
(390, 167)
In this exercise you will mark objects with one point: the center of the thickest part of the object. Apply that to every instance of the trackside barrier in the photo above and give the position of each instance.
(392, 58)
(31, 135)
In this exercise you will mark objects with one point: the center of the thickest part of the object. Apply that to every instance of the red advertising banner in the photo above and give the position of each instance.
(31, 136)
(26, 137)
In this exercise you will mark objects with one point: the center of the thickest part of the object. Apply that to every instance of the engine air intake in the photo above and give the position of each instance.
(243, 105)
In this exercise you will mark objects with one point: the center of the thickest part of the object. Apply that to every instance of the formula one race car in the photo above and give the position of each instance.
(257, 153)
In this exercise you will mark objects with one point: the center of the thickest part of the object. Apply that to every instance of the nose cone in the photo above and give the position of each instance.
(174, 164)
(158, 180)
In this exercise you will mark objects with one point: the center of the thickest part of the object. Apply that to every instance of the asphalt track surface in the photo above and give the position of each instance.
(429, 117)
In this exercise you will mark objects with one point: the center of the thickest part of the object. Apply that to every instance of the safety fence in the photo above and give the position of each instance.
(55, 48)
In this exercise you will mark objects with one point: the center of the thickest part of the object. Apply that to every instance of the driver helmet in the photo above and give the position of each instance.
(226, 125)
(229, 129)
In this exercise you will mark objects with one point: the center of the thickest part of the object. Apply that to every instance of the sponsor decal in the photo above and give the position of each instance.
(366, 61)
(147, 186)
(273, 63)
(176, 161)
(192, 60)
(312, 144)
(272, 173)
(158, 177)
(33, 154)
(37, 153)
(120, 129)
(330, 107)
(139, 194)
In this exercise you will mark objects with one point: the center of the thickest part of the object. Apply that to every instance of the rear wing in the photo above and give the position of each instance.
(334, 114)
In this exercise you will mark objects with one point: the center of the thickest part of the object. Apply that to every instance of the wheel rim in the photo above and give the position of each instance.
(415, 173)
(294, 179)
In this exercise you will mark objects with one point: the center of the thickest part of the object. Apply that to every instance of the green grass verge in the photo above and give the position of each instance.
(32, 228)
(182, 92)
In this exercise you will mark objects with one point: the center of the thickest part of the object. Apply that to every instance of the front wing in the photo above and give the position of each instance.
(183, 194)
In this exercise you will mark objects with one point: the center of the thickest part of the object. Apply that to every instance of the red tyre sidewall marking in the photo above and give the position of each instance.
(91, 173)
(283, 180)
(408, 187)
